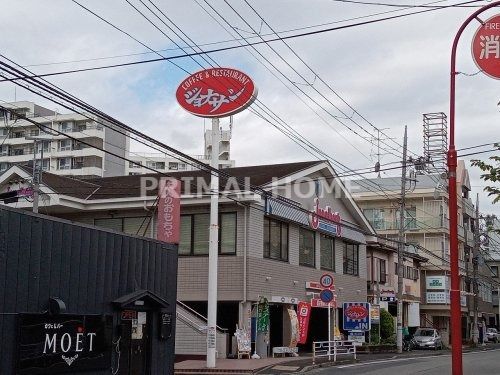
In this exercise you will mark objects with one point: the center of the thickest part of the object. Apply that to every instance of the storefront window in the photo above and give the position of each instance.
(194, 239)
(275, 239)
(327, 252)
(185, 243)
(306, 247)
(227, 233)
(351, 259)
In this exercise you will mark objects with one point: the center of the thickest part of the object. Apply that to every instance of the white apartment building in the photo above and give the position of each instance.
(61, 155)
(167, 163)
(427, 227)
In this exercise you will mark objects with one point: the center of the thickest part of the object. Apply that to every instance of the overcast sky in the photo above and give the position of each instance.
(391, 72)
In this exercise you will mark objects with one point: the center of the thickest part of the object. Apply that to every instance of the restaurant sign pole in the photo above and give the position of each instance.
(215, 93)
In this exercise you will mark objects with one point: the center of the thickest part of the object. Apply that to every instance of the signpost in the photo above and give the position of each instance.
(487, 51)
(215, 93)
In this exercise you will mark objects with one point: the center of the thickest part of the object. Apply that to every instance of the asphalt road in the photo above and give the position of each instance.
(475, 363)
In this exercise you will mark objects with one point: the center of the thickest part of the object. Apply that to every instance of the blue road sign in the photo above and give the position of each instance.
(326, 295)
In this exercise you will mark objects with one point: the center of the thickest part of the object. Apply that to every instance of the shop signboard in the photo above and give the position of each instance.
(263, 316)
(356, 316)
(169, 210)
(304, 314)
(325, 219)
(63, 343)
(313, 285)
(216, 92)
(294, 327)
(438, 298)
(317, 302)
(437, 283)
(375, 314)
(357, 337)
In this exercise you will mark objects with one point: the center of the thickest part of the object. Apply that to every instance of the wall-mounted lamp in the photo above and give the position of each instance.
(268, 278)
(295, 282)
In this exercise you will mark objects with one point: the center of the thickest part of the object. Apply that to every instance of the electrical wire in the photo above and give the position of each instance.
(239, 46)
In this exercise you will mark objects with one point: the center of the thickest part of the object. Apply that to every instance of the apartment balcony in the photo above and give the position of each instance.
(468, 207)
(77, 152)
(78, 170)
(419, 224)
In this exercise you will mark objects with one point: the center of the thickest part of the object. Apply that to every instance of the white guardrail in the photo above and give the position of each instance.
(332, 349)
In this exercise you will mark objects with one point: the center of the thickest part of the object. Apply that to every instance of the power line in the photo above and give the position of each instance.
(299, 35)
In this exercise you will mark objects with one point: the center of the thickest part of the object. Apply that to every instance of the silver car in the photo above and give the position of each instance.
(492, 335)
(428, 338)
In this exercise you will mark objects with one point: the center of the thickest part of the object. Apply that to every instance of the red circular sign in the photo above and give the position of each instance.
(486, 47)
(216, 92)
(356, 312)
(326, 281)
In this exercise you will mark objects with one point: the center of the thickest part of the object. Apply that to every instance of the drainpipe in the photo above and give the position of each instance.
(245, 230)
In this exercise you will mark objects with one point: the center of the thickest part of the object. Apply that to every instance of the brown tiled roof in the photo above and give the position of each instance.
(66, 185)
(130, 186)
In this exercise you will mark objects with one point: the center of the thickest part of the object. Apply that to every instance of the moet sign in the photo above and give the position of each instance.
(63, 343)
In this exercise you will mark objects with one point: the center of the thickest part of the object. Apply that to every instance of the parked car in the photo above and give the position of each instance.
(428, 338)
(492, 335)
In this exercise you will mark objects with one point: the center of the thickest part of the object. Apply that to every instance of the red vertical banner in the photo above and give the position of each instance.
(169, 210)
(304, 314)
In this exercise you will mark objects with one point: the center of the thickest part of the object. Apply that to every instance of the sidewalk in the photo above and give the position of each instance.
(302, 364)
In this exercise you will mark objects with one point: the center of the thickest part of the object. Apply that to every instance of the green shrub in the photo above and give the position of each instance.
(374, 336)
(386, 326)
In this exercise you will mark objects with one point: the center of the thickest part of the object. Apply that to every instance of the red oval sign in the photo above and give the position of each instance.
(216, 92)
(486, 47)
(356, 312)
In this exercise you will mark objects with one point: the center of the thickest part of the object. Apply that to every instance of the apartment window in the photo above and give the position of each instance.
(194, 238)
(64, 163)
(327, 252)
(494, 270)
(306, 247)
(410, 218)
(65, 145)
(65, 127)
(376, 218)
(275, 239)
(173, 166)
(19, 151)
(16, 134)
(34, 132)
(351, 259)
(82, 127)
(78, 163)
(382, 269)
(44, 144)
(182, 167)
(134, 164)
(227, 233)
(156, 164)
(4, 166)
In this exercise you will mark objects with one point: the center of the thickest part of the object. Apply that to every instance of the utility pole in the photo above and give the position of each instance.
(37, 171)
(475, 261)
(401, 244)
(213, 249)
